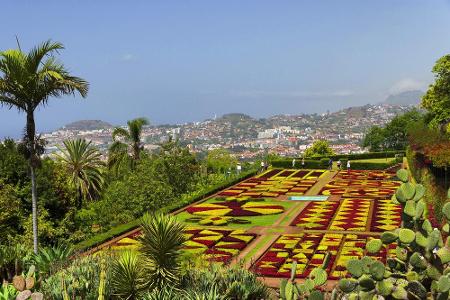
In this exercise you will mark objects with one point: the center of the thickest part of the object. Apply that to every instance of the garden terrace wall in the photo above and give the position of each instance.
(121, 229)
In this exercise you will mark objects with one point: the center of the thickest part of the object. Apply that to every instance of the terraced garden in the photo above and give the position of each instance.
(283, 215)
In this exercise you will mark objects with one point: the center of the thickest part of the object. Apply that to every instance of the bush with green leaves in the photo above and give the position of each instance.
(13, 260)
(419, 270)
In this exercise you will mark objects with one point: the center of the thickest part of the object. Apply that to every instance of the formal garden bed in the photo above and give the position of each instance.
(281, 231)
(309, 251)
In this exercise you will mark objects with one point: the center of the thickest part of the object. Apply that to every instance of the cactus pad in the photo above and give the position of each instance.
(388, 237)
(319, 276)
(408, 189)
(385, 287)
(443, 284)
(374, 246)
(355, 267)
(348, 285)
(402, 174)
(406, 236)
(420, 192)
(377, 270)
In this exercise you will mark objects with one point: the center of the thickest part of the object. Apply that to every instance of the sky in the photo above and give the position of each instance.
(181, 61)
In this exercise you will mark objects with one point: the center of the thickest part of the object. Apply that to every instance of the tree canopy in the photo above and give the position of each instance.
(437, 99)
(393, 136)
(220, 160)
(319, 148)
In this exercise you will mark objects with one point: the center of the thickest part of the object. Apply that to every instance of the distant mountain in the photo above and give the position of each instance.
(88, 125)
(405, 98)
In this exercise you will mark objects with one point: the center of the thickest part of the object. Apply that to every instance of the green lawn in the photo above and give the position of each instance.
(294, 212)
(257, 247)
(264, 220)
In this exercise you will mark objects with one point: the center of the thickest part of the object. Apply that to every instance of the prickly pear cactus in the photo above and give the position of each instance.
(421, 266)
(291, 290)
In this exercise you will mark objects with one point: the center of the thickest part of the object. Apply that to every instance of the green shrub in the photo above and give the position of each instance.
(368, 155)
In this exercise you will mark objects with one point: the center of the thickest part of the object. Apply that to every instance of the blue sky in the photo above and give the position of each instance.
(178, 61)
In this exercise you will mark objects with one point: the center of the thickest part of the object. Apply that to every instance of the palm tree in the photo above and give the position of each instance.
(84, 165)
(27, 81)
(126, 141)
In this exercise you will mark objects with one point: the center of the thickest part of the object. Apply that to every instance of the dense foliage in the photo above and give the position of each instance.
(393, 136)
(27, 81)
(437, 99)
(79, 197)
(319, 148)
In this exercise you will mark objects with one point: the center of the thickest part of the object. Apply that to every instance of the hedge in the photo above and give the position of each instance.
(323, 164)
(309, 164)
(123, 228)
(356, 156)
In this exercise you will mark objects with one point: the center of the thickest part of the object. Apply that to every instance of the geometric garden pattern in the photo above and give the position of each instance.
(358, 209)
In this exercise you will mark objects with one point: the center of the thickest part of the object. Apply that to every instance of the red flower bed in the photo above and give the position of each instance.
(285, 173)
(270, 173)
(316, 215)
(309, 250)
(234, 208)
(366, 174)
(221, 245)
(386, 216)
(300, 174)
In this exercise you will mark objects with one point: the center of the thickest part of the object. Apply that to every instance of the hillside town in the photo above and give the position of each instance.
(247, 137)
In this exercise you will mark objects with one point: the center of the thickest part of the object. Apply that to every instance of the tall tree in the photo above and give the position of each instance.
(84, 165)
(394, 135)
(437, 98)
(220, 160)
(27, 81)
(126, 141)
(374, 139)
(319, 148)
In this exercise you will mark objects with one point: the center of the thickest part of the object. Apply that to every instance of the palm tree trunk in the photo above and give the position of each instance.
(34, 209)
(30, 139)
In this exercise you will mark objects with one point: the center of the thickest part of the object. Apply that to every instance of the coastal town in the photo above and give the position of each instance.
(247, 137)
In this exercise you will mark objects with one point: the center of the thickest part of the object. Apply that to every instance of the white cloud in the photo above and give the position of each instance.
(407, 84)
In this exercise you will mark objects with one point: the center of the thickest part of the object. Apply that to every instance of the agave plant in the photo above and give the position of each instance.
(161, 242)
(49, 259)
(7, 292)
(127, 276)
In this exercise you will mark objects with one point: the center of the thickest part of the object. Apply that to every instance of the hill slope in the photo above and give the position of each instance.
(88, 125)
(405, 98)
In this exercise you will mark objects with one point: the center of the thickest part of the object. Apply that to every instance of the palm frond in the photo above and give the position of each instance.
(84, 165)
(120, 132)
(135, 128)
(37, 54)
